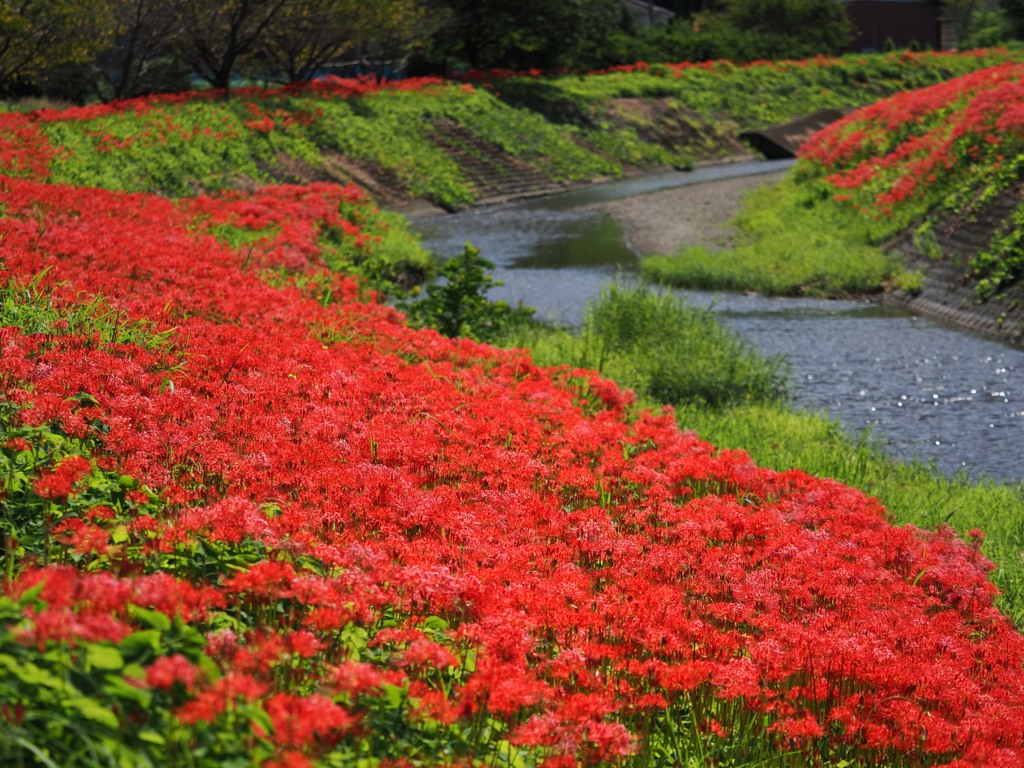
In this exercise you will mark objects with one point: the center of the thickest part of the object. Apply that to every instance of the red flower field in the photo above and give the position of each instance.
(252, 516)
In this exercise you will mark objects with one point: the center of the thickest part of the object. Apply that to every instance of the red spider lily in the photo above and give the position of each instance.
(913, 145)
(398, 509)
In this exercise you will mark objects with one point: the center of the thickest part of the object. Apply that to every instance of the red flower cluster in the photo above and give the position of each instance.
(507, 539)
(58, 483)
(918, 147)
(676, 69)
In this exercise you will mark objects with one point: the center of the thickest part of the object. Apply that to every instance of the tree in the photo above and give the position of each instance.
(820, 26)
(1014, 13)
(39, 34)
(215, 35)
(307, 35)
(526, 33)
(395, 29)
(139, 58)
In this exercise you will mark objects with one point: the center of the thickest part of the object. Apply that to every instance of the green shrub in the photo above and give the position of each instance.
(661, 347)
(459, 306)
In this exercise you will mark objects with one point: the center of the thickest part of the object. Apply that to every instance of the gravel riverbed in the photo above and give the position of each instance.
(660, 222)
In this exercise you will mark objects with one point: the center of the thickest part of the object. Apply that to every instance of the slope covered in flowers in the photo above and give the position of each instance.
(447, 141)
(946, 152)
(253, 519)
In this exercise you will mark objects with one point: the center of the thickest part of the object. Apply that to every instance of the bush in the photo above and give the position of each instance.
(661, 347)
(459, 306)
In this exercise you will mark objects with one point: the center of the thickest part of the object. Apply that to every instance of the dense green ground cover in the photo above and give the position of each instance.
(750, 95)
(212, 144)
(418, 138)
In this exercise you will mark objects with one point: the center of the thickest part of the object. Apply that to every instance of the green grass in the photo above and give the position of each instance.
(789, 243)
(754, 96)
(664, 350)
(670, 352)
(178, 149)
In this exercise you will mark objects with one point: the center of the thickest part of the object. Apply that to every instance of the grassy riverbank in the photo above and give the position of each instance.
(668, 352)
(448, 143)
(788, 242)
(938, 168)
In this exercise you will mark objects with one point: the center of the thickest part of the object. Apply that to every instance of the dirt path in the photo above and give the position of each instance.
(662, 221)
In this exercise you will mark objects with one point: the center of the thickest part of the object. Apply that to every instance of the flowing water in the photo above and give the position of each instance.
(927, 391)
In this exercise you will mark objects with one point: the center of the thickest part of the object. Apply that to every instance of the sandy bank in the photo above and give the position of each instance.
(660, 222)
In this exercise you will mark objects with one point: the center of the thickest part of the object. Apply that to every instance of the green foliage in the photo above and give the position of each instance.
(34, 310)
(529, 33)
(1002, 263)
(985, 28)
(171, 151)
(459, 306)
(748, 97)
(395, 262)
(208, 146)
(662, 348)
(822, 25)
(64, 706)
(35, 34)
(791, 242)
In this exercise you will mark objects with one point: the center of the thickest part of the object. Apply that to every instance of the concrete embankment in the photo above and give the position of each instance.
(949, 292)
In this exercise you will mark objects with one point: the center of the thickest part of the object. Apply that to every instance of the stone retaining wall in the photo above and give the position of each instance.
(948, 293)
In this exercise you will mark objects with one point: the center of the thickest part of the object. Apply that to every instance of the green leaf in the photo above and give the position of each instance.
(33, 675)
(142, 645)
(32, 593)
(92, 710)
(134, 672)
(209, 667)
(118, 687)
(103, 657)
(435, 624)
(40, 755)
(190, 639)
(394, 696)
(152, 737)
(261, 719)
(150, 618)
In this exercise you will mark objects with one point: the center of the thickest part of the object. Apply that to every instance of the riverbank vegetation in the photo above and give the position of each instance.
(452, 144)
(252, 517)
(923, 164)
(942, 154)
(787, 242)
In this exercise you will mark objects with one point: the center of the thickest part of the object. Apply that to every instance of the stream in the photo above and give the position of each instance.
(926, 391)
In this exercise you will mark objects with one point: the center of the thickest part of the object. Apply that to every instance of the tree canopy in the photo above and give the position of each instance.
(82, 49)
(37, 34)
